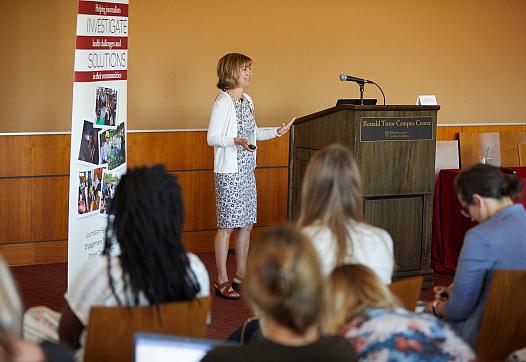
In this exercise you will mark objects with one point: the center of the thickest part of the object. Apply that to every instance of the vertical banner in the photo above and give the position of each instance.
(98, 124)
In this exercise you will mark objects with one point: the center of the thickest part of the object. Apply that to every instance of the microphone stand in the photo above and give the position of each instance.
(361, 84)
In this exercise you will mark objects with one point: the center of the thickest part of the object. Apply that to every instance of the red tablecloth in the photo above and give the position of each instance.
(449, 226)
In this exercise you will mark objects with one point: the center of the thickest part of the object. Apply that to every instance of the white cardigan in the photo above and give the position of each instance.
(222, 130)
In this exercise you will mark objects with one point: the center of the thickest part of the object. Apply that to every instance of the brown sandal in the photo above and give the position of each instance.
(226, 291)
(237, 285)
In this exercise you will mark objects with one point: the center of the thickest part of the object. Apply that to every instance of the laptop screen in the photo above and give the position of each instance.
(156, 348)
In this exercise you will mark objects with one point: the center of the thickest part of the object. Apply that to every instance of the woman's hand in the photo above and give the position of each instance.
(437, 308)
(243, 142)
(442, 293)
(428, 308)
(285, 127)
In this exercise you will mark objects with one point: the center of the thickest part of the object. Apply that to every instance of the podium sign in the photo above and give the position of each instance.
(374, 129)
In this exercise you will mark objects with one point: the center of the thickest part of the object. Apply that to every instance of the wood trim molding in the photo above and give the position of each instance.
(34, 187)
(34, 181)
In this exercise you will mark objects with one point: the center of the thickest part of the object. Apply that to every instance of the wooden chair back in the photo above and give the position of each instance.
(473, 146)
(111, 329)
(407, 291)
(509, 142)
(503, 326)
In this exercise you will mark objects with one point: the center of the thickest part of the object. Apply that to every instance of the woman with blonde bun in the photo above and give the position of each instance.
(285, 287)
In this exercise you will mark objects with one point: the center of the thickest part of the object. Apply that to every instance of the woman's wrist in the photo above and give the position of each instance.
(436, 309)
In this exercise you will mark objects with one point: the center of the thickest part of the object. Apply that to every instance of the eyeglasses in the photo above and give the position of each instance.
(465, 212)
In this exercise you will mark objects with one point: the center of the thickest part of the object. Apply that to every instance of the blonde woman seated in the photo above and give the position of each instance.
(363, 310)
(331, 215)
(285, 287)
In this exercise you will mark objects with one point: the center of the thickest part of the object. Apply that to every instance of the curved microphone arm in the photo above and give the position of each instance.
(383, 95)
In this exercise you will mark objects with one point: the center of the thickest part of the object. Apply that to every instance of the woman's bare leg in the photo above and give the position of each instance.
(242, 247)
(221, 243)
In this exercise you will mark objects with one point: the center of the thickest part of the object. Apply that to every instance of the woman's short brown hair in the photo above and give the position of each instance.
(284, 279)
(487, 181)
(228, 69)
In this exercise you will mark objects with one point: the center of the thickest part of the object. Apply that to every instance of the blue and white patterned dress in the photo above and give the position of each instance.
(398, 335)
(236, 197)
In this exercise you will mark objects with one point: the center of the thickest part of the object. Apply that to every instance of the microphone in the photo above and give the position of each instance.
(348, 78)
(508, 170)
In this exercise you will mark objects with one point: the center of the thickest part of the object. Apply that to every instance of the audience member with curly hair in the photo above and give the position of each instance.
(144, 261)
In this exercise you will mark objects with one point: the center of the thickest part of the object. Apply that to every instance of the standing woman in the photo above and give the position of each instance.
(233, 133)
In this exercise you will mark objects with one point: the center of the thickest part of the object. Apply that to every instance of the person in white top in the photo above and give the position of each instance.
(331, 215)
(233, 132)
(143, 262)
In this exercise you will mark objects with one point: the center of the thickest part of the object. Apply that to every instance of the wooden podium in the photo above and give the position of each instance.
(395, 149)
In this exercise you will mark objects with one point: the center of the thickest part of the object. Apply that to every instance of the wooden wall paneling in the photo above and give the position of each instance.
(494, 128)
(12, 201)
(509, 150)
(34, 209)
(176, 150)
(448, 133)
(199, 199)
(34, 216)
(274, 152)
(200, 241)
(522, 154)
(190, 151)
(513, 128)
(34, 155)
(272, 195)
(480, 129)
(35, 252)
(203, 241)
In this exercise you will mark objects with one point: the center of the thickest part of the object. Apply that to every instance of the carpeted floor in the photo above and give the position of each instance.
(45, 285)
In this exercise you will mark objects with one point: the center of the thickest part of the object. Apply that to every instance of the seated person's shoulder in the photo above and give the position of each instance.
(337, 348)
(331, 348)
(371, 231)
(371, 239)
(194, 259)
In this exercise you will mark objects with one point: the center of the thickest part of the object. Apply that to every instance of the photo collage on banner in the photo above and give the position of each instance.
(98, 128)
